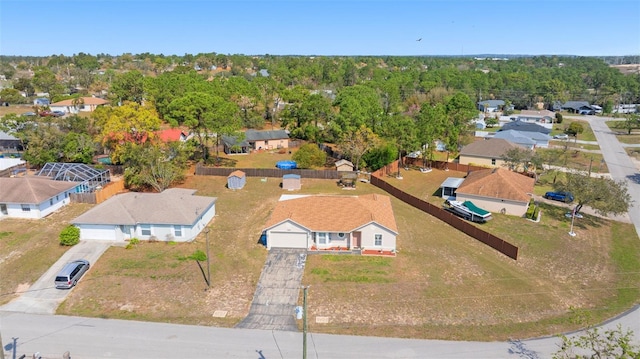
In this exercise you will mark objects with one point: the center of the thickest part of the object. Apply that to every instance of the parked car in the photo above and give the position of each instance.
(58, 113)
(71, 274)
(587, 112)
(29, 114)
(561, 196)
(561, 136)
(45, 114)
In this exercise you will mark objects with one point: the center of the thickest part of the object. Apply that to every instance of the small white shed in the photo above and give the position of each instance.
(291, 182)
(236, 180)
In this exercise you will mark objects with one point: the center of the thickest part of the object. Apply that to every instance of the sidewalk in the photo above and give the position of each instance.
(43, 297)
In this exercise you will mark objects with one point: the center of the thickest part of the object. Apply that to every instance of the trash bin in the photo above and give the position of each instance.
(299, 311)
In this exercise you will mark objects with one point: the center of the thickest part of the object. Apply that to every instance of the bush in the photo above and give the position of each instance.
(558, 117)
(310, 155)
(70, 236)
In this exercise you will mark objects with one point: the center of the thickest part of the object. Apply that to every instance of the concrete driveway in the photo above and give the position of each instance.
(43, 297)
(277, 293)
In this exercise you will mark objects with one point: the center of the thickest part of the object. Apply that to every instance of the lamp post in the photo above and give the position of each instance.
(206, 232)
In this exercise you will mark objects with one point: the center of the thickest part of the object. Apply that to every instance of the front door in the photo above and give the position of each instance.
(356, 239)
(3, 209)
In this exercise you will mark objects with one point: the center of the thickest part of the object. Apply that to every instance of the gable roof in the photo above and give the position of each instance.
(498, 183)
(253, 135)
(518, 137)
(525, 127)
(537, 113)
(7, 137)
(171, 206)
(29, 190)
(335, 213)
(575, 105)
(491, 103)
(237, 173)
(343, 162)
(493, 148)
(87, 101)
(171, 134)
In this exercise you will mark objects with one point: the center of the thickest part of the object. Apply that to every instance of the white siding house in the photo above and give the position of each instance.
(176, 214)
(33, 197)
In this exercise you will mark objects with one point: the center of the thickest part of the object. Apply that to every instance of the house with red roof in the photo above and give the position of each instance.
(172, 135)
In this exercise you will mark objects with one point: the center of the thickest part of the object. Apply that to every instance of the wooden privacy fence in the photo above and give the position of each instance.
(467, 228)
(442, 165)
(266, 172)
(99, 196)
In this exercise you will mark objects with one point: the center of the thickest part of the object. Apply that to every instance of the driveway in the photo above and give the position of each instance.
(43, 297)
(277, 293)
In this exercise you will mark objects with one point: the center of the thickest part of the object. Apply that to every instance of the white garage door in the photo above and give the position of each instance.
(287, 240)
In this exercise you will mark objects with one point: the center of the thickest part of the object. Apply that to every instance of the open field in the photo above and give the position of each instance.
(442, 284)
(622, 135)
(587, 135)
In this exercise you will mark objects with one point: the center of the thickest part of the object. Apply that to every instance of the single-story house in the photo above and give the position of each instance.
(544, 118)
(497, 190)
(291, 181)
(256, 140)
(175, 214)
(344, 165)
(82, 104)
(449, 186)
(490, 105)
(9, 143)
(317, 222)
(236, 180)
(9, 162)
(486, 153)
(523, 139)
(526, 126)
(33, 197)
(577, 106)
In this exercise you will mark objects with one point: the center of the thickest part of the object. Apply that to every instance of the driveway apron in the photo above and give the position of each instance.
(277, 293)
(43, 297)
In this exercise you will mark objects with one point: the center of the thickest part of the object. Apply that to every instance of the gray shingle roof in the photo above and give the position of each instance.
(172, 206)
(253, 135)
(493, 148)
(31, 190)
(491, 103)
(516, 137)
(525, 127)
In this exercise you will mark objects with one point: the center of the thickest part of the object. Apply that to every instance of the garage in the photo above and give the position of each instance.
(286, 240)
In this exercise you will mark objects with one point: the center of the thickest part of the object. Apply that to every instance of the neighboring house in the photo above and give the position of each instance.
(41, 102)
(543, 118)
(82, 104)
(33, 197)
(525, 126)
(172, 135)
(344, 165)
(9, 143)
(175, 214)
(6, 163)
(449, 187)
(577, 106)
(520, 138)
(497, 190)
(256, 140)
(490, 105)
(236, 180)
(486, 153)
(320, 222)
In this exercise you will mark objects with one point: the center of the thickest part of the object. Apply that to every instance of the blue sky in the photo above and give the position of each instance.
(330, 27)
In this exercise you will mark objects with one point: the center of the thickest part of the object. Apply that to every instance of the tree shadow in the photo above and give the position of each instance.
(634, 178)
(204, 275)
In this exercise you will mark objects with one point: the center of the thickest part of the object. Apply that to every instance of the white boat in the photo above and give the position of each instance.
(469, 211)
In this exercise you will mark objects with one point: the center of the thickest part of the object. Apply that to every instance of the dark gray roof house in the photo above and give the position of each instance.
(490, 105)
(525, 127)
(576, 106)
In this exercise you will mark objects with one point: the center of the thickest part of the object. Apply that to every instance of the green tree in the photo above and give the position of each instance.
(10, 95)
(631, 122)
(517, 159)
(128, 86)
(574, 129)
(355, 143)
(381, 156)
(491, 122)
(44, 79)
(598, 343)
(604, 195)
(431, 126)
(310, 156)
(205, 114)
(154, 165)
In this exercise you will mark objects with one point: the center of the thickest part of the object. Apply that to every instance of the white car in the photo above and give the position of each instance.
(561, 136)
(577, 215)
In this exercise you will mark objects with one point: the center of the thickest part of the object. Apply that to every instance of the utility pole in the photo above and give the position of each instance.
(206, 232)
(590, 163)
(304, 323)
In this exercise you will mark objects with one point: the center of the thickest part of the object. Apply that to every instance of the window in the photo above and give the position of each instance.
(493, 161)
(322, 238)
(51, 202)
(341, 235)
(378, 240)
(26, 208)
(145, 229)
(177, 231)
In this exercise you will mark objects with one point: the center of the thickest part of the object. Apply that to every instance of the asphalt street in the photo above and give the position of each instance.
(92, 338)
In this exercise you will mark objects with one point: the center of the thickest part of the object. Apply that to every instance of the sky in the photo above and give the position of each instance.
(329, 27)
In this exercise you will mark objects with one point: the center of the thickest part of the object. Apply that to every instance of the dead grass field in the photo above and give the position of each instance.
(442, 284)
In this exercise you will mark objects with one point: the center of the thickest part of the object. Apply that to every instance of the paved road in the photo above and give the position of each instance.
(620, 165)
(42, 297)
(277, 291)
(92, 338)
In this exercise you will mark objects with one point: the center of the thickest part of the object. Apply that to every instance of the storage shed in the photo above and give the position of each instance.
(449, 187)
(236, 180)
(291, 182)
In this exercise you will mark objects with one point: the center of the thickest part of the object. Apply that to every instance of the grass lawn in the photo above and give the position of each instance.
(577, 159)
(587, 135)
(623, 136)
